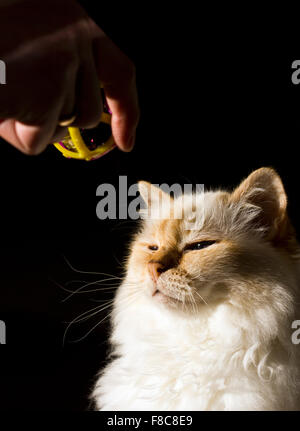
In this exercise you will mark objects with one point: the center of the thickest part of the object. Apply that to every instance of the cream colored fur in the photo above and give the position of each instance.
(214, 331)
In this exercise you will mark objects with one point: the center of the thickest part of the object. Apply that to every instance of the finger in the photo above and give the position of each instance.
(117, 75)
(59, 134)
(69, 105)
(89, 105)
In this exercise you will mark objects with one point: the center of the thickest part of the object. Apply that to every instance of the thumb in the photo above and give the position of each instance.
(29, 139)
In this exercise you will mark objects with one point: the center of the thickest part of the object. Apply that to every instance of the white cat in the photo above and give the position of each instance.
(202, 320)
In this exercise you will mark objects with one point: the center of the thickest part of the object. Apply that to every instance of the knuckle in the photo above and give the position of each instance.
(68, 58)
(89, 119)
(67, 63)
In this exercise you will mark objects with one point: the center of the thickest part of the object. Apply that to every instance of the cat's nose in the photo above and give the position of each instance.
(155, 269)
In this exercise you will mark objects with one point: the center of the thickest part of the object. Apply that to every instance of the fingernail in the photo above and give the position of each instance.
(131, 143)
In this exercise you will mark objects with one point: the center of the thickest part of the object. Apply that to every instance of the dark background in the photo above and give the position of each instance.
(216, 101)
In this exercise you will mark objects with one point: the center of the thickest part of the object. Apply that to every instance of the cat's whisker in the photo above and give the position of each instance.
(117, 260)
(88, 272)
(93, 328)
(130, 296)
(127, 300)
(183, 302)
(101, 289)
(89, 284)
(99, 300)
(83, 316)
(98, 307)
(88, 316)
(112, 279)
(96, 300)
(75, 281)
(96, 310)
(60, 286)
(192, 300)
(201, 298)
(71, 292)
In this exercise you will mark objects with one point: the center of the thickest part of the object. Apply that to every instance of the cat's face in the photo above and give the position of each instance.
(223, 247)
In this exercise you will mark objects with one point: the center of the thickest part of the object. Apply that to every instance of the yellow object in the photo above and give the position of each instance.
(74, 147)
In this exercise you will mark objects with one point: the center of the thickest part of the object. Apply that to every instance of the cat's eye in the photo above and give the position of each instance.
(198, 245)
(153, 247)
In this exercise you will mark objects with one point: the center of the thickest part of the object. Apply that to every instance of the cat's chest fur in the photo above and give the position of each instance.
(165, 364)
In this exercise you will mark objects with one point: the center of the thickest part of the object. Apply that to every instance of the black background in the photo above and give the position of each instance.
(216, 101)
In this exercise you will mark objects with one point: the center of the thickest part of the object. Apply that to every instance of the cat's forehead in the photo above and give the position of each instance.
(191, 217)
(200, 212)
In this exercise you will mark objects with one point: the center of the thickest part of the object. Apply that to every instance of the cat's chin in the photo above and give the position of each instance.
(163, 298)
(159, 296)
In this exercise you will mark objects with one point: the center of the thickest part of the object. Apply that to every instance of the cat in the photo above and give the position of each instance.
(202, 320)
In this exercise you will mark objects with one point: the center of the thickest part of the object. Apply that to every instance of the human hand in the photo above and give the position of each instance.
(55, 55)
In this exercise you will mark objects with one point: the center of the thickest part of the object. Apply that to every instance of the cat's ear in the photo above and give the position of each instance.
(153, 196)
(264, 189)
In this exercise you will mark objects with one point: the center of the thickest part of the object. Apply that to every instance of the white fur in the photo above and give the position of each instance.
(225, 358)
(208, 363)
